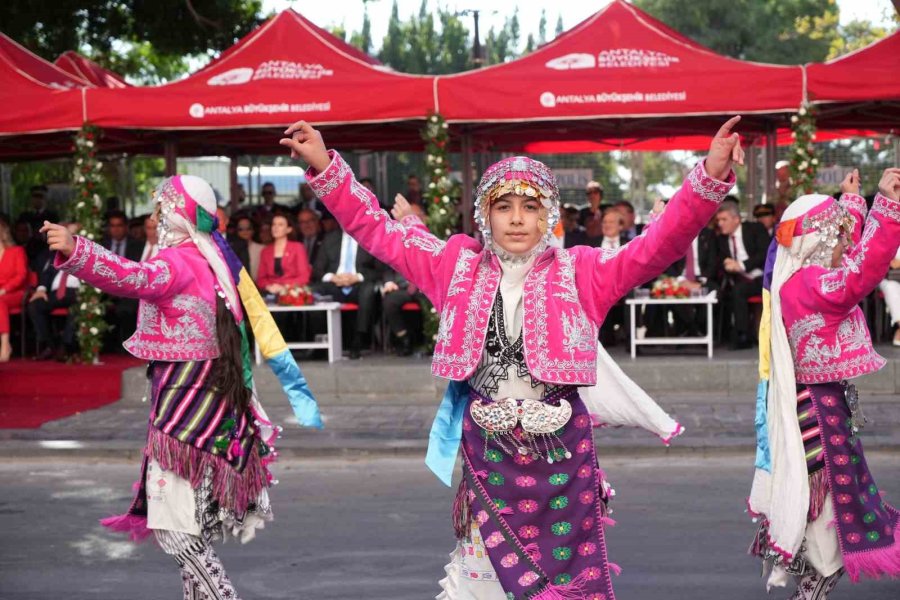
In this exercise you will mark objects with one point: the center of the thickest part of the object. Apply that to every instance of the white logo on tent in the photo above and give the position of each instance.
(634, 58)
(575, 60)
(548, 99)
(232, 77)
(271, 69)
(616, 58)
(196, 110)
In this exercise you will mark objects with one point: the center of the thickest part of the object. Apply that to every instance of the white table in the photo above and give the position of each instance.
(332, 316)
(708, 300)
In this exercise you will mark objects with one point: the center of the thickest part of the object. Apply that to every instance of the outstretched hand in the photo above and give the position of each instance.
(889, 186)
(306, 143)
(850, 184)
(401, 207)
(58, 238)
(724, 150)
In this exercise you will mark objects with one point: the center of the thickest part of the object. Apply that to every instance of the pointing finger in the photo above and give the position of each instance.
(725, 130)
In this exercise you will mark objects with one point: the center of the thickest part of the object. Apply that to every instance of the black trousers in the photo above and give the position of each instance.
(742, 290)
(392, 305)
(362, 294)
(39, 313)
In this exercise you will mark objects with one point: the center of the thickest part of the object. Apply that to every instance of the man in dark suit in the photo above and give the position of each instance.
(39, 211)
(741, 255)
(123, 310)
(631, 229)
(55, 290)
(347, 273)
(311, 235)
(573, 233)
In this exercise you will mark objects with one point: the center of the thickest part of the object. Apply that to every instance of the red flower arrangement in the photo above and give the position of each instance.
(296, 296)
(669, 287)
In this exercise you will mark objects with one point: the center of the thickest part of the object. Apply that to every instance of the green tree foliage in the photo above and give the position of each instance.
(146, 41)
(774, 31)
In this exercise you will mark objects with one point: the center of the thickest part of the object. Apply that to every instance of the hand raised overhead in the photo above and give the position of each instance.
(306, 143)
(889, 186)
(724, 150)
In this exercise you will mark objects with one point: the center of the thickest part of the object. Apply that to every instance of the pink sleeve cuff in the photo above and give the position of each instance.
(886, 207)
(707, 187)
(331, 178)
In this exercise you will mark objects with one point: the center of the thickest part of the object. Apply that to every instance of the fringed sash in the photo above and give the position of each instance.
(192, 431)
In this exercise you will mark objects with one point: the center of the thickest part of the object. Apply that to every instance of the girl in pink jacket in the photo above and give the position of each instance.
(820, 511)
(517, 336)
(205, 471)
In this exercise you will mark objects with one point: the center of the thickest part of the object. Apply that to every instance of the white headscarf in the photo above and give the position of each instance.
(782, 495)
(181, 199)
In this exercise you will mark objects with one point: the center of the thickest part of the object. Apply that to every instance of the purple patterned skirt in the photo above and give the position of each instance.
(541, 521)
(866, 524)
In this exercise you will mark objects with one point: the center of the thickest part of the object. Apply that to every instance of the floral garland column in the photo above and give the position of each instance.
(90, 322)
(803, 162)
(441, 200)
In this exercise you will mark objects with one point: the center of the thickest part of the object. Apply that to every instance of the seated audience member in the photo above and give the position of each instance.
(612, 229)
(151, 238)
(573, 233)
(593, 192)
(764, 214)
(741, 255)
(308, 199)
(245, 230)
(397, 291)
(631, 229)
(56, 289)
(311, 234)
(328, 222)
(238, 245)
(13, 279)
(269, 207)
(136, 228)
(283, 263)
(891, 290)
(413, 192)
(347, 273)
(123, 311)
(39, 212)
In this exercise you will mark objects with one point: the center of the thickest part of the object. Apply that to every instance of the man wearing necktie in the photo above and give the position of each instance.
(742, 251)
(349, 275)
(124, 310)
(56, 289)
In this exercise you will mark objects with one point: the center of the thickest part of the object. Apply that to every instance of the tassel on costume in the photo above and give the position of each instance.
(574, 590)
(818, 490)
(134, 525)
(462, 511)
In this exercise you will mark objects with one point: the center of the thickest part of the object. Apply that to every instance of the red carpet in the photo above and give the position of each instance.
(32, 393)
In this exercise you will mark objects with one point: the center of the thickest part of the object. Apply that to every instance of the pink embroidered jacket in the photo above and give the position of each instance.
(826, 328)
(567, 292)
(177, 313)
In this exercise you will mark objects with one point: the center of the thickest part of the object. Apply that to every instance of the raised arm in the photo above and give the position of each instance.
(111, 273)
(854, 203)
(407, 248)
(612, 274)
(866, 263)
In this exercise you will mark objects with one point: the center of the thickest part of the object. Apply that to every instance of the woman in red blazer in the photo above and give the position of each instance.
(283, 263)
(13, 275)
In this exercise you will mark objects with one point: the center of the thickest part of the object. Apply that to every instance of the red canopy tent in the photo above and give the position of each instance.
(41, 103)
(860, 89)
(619, 77)
(86, 69)
(287, 69)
